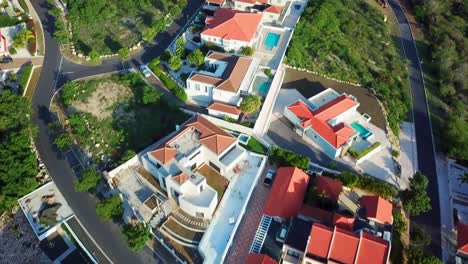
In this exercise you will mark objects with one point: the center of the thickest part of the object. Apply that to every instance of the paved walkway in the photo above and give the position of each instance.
(248, 227)
(19, 62)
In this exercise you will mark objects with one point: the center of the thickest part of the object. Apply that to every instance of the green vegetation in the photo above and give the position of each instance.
(196, 58)
(117, 114)
(107, 26)
(124, 53)
(25, 75)
(170, 84)
(395, 153)
(248, 123)
(255, 146)
(367, 150)
(399, 222)
(110, 208)
(210, 46)
(136, 235)
(180, 47)
(464, 178)
(95, 56)
(247, 51)
(444, 24)
(320, 200)
(24, 5)
(7, 21)
(175, 63)
(284, 157)
(22, 38)
(349, 40)
(418, 256)
(63, 141)
(415, 199)
(268, 73)
(18, 166)
(250, 103)
(420, 238)
(61, 32)
(349, 179)
(373, 185)
(88, 181)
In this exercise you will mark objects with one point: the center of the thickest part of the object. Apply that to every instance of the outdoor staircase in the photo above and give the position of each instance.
(261, 233)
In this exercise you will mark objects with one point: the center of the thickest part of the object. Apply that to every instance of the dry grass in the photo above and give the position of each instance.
(214, 179)
(182, 231)
(145, 174)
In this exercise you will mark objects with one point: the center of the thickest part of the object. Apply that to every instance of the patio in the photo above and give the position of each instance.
(214, 179)
(271, 56)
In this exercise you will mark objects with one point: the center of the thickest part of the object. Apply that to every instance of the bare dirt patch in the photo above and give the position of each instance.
(101, 102)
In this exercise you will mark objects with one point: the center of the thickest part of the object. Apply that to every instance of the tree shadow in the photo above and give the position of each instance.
(112, 44)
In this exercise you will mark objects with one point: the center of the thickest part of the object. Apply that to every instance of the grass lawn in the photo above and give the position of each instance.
(255, 146)
(214, 179)
(182, 231)
(108, 116)
(32, 83)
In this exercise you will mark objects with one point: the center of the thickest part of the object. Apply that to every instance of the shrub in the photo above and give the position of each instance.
(250, 103)
(399, 222)
(415, 199)
(154, 63)
(166, 55)
(180, 47)
(376, 186)
(67, 93)
(150, 95)
(13, 77)
(248, 124)
(367, 150)
(284, 157)
(418, 256)
(124, 53)
(247, 51)
(88, 181)
(170, 84)
(268, 73)
(136, 235)
(13, 51)
(127, 155)
(395, 153)
(24, 5)
(25, 75)
(196, 58)
(230, 119)
(255, 146)
(110, 208)
(175, 63)
(349, 179)
(210, 46)
(63, 141)
(95, 56)
(7, 21)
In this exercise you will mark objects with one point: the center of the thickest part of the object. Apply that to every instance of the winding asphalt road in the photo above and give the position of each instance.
(431, 221)
(55, 71)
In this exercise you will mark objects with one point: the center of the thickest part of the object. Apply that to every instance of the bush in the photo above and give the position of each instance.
(367, 150)
(175, 63)
(94, 56)
(373, 185)
(255, 146)
(136, 235)
(13, 51)
(170, 84)
(395, 153)
(415, 199)
(247, 51)
(150, 95)
(210, 46)
(25, 75)
(248, 124)
(7, 21)
(63, 141)
(110, 208)
(166, 55)
(88, 181)
(180, 47)
(284, 157)
(250, 103)
(268, 73)
(349, 179)
(230, 119)
(24, 5)
(196, 58)
(418, 256)
(399, 222)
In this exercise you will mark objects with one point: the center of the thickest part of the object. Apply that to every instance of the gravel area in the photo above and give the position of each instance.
(18, 243)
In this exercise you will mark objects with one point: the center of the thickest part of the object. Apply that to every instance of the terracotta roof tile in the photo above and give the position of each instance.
(180, 178)
(225, 108)
(377, 208)
(344, 222)
(164, 154)
(319, 241)
(372, 250)
(316, 213)
(254, 258)
(344, 246)
(273, 9)
(218, 2)
(328, 186)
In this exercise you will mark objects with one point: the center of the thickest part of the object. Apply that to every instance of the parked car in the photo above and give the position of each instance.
(269, 178)
(6, 59)
(145, 71)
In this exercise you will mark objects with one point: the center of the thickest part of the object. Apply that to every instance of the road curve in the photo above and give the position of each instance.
(106, 234)
(424, 140)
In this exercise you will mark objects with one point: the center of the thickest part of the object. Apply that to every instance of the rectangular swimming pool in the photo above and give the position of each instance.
(271, 40)
(363, 131)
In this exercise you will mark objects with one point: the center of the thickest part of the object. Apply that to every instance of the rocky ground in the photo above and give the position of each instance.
(18, 243)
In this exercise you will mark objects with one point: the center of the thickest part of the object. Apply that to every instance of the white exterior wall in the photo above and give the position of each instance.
(153, 170)
(343, 116)
(204, 93)
(241, 6)
(226, 97)
(192, 209)
(225, 44)
(220, 114)
(270, 17)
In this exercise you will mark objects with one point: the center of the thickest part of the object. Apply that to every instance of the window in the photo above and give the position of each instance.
(201, 215)
(215, 167)
(293, 254)
(201, 188)
(196, 154)
(197, 87)
(206, 89)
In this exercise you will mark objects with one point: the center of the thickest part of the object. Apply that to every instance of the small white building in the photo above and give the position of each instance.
(273, 10)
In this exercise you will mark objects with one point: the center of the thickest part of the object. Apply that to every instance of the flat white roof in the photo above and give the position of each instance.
(322, 98)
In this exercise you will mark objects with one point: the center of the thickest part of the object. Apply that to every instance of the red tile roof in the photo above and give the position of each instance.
(462, 237)
(377, 208)
(344, 246)
(225, 108)
(218, 2)
(343, 222)
(337, 135)
(181, 178)
(372, 250)
(316, 213)
(319, 240)
(328, 186)
(211, 136)
(254, 258)
(273, 9)
(287, 193)
(232, 24)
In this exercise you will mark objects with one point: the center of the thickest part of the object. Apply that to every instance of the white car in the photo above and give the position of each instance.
(145, 71)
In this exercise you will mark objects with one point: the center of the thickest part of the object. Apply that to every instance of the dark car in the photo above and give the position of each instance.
(269, 178)
(6, 60)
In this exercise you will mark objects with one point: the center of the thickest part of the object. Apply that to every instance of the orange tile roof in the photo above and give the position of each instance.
(316, 213)
(377, 208)
(462, 237)
(344, 222)
(218, 2)
(328, 186)
(181, 178)
(211, 136)
(232, 77)
(337, 135)
(287, 193)
(319, 240)
(254, 258)
(344, 246)
(225, 108)
(274, 9)
(372, 250)
(232, 24)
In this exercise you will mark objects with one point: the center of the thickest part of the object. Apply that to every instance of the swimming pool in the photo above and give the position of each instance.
(271, 40)
(263, 88)
(244, 139)
(363, 132)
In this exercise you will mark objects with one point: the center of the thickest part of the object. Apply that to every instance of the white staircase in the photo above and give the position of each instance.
(261, 233)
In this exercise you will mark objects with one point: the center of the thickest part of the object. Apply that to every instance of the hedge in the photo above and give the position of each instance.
(288, 158)
(6, 21)
(24, 78)
(367, 150)
(24, 5)
(373, 185)
(170, 84)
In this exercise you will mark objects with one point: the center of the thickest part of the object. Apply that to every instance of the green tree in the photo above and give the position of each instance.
(418, 256)
(154, 64)
(110, 208)
(196, 58)
(95, 56)
(283, 157)
(61, 32)
(63, 141)
(250, 103)
(124, 53)
(150, 95)
(247, 51)
(149, 34)
(180, 47)
(399, 222)
(136, 235)
(22, 38)
(88, 181)
(415, 199)
(127, 155)
(349, 179)
(456, 137)
(68, 93)
(18, 165)
(175, 63)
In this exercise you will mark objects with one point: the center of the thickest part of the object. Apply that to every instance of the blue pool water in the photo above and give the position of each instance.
(363, 132)
(263, 88)
(244, 138)
(271, 40)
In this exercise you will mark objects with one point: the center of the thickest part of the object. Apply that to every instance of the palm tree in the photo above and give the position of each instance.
(463, 178)
(22, 38)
